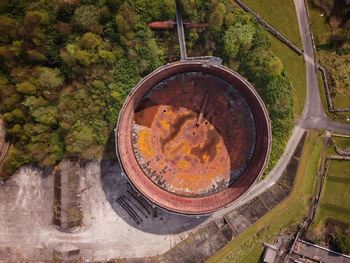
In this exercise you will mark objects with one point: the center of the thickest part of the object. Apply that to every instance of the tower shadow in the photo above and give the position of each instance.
(135, 210)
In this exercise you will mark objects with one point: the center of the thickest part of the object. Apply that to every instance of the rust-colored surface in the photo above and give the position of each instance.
(169, 24)
(192, 138)
(194, 134)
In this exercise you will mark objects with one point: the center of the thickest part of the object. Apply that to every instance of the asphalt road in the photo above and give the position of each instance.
(313, 116)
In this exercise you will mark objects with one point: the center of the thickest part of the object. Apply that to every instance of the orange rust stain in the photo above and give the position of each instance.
(183, 156)
(145, 144)
(183, 164)
(193, 154)
(164, 124)
(146, 117)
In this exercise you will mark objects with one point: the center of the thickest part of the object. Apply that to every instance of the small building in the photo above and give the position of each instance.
(270, 253)
(308, 252)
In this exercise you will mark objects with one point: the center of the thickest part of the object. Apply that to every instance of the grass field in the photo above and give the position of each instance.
(342, 101)
(248, 246)
(336, 65)
(319, 25)
(280, 14)
(342, 142)
(335, 195)
(339, 116)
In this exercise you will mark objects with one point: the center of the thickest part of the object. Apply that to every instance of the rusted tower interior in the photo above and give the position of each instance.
(193, 137)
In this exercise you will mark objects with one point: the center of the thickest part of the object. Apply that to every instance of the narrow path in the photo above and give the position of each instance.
(180, 32)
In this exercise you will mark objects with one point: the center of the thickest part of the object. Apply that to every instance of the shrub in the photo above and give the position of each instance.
(86, 18)
(341, 243)
(90, 41)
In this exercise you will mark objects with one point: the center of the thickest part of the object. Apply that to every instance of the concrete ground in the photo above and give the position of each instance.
(27, 232)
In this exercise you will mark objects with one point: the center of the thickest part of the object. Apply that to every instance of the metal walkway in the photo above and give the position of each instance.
(180, 32)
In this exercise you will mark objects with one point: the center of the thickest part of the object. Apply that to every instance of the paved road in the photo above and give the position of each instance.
(314, 116)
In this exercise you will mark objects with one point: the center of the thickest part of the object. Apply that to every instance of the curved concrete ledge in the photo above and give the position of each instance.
(182, 204)
(342, 152)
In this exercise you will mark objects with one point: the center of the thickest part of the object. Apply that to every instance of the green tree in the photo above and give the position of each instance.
(35, 55)
(46, 115)
(261, 38)
(229, 19)
(36, 18)
(86, 18)
(85, 58)
(238, 37)
(341, 243)
(16, 157)
(35, 102)
(90, 41)
(26, 88)
(216, 20)
(79, 139)
(107, 56)
(50, 78)
(8, 27)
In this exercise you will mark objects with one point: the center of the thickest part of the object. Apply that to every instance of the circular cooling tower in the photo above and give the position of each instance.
(193, 136)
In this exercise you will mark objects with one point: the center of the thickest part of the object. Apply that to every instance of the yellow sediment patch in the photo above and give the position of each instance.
(145, 144)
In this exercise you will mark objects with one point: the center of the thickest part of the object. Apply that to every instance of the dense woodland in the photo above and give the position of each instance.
(67, 65)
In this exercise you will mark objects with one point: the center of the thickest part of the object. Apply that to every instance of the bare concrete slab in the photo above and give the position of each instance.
(269, 199)
(207, 241)
(108, 232)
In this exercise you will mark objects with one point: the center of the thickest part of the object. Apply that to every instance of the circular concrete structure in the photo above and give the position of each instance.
(193, 136)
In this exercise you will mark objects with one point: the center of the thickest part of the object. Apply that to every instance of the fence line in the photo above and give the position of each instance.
(315, 200)
(300, 52)
(270, 28)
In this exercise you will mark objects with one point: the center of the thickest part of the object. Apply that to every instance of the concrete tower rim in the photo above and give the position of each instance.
(170, 201)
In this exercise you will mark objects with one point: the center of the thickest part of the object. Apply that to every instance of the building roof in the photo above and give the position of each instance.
(316, 252)
(270, 253)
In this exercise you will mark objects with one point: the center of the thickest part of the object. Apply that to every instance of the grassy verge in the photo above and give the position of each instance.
(335, 196)
(342, 142)
(296, 72)
(295, 69)
(338, 116)
(248, 246)
(335, 64)
(281, 15)
(320, 27)
(342, 101)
